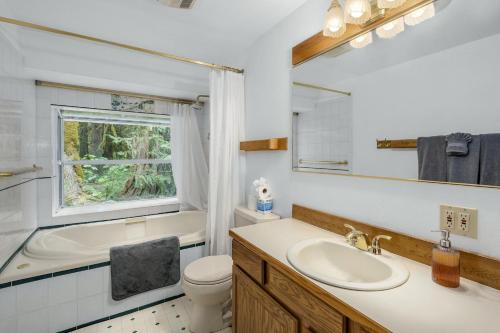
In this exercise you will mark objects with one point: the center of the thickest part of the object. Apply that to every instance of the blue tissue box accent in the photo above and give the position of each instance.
(264, 206)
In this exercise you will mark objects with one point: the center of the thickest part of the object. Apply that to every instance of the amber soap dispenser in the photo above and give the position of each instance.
(445, 262)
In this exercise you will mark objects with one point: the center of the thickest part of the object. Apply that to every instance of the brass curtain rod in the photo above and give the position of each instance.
(112, 92)
(312, 86)
(121, 45)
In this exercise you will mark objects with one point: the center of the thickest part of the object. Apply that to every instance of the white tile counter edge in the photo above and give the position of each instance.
(420, 305)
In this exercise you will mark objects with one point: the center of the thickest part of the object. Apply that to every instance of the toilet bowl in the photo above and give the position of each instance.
(207, 283)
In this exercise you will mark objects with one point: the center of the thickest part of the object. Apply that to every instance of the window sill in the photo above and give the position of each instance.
(120, 206)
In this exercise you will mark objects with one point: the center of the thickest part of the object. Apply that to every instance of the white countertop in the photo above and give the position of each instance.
(419, 305)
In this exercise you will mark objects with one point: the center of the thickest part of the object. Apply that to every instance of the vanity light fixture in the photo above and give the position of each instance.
(390, 3)
(357, 11)
(362, 41)
(334, 22)
(391, 29)
(420, 15)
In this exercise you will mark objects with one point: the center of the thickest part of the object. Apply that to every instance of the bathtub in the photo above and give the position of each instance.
(76, 258)
(93, 240)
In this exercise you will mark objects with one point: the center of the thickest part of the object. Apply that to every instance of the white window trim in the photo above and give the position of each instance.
(171, 204)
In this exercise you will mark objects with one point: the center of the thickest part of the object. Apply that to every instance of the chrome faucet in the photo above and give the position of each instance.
(356, 238)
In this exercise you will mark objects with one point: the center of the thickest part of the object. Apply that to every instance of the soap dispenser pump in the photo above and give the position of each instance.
(445, 262)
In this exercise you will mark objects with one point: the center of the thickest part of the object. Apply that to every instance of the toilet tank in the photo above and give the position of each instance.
(244, 216)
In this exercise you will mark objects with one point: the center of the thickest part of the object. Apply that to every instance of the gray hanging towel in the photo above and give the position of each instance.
(432, 158)
(489, 173)
(457, 144)
(465, 168)
(142, 267)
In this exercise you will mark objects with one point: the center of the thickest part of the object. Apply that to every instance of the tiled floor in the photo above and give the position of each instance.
(170, 317)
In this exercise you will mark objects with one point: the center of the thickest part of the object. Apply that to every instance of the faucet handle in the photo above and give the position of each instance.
(375, 248)
(348, 226)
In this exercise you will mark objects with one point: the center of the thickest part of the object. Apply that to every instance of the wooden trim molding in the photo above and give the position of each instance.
(475, 267)
(319, 44)
(267, 144)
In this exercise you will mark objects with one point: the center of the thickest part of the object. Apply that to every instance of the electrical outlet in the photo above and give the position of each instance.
(459, 220)
(447, 218)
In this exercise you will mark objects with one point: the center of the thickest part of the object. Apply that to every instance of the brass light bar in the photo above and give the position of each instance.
(112, 92)
(312, 86)
(121, 45)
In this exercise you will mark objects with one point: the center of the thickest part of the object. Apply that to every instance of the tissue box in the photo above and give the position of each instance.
(264, 206)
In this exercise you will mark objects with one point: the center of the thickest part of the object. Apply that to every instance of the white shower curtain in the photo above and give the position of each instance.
(189, 165)
(227, 105)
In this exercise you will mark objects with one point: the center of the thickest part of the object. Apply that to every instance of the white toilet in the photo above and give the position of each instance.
(207, 282)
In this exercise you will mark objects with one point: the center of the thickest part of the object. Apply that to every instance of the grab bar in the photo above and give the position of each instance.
(20, 171)
(301, 161)
(136, 220)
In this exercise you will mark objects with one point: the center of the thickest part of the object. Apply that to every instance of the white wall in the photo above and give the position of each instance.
(405, 207)
(17, 147)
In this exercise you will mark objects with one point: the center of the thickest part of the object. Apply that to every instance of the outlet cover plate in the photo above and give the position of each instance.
(451, 218)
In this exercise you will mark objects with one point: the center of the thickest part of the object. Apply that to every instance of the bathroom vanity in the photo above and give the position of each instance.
(269, 295)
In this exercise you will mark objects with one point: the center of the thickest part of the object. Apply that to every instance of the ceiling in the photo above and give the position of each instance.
(214, 30)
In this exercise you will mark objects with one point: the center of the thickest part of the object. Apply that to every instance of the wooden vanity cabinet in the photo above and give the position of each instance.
(267, 300)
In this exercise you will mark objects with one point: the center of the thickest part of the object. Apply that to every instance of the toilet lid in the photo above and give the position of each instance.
(209, 270)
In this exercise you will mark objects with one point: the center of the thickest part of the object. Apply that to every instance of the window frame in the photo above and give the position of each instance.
(60, 163)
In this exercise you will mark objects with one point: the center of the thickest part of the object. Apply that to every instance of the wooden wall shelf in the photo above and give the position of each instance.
(267, 144)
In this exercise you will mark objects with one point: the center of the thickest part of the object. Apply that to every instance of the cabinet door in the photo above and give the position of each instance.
(254, 311)
(355, 327)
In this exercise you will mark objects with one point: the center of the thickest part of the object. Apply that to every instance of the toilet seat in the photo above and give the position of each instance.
(209, 270)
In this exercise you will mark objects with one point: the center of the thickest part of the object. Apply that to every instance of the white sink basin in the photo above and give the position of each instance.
(338, 264)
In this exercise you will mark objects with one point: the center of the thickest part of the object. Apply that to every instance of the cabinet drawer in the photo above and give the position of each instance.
(315, 315)
(248, 261)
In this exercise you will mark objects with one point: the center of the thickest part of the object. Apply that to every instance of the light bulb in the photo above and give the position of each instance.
(391, 29)
(334, 21)
(357, 11)
(420, 15)
(362, 41)
(390, 3)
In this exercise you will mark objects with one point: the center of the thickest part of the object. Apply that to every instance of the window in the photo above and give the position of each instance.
(113, 156)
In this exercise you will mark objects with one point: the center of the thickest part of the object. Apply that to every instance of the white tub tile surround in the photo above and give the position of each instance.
(67, 301)
(17, 148)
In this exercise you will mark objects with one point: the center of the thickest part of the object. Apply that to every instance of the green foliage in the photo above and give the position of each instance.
(110, 183)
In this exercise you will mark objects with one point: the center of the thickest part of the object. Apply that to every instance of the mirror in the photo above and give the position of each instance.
(399, 107)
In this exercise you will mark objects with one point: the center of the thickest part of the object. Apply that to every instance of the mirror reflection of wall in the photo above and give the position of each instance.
(322, 123)
(434, 79)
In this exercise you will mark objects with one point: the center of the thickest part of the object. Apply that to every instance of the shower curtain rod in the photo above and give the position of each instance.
(312, 86)
(113, 92)
(121, 45)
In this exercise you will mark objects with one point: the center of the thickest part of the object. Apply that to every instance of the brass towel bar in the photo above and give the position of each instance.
(301, 161)
(20, 171)
(397, 144)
